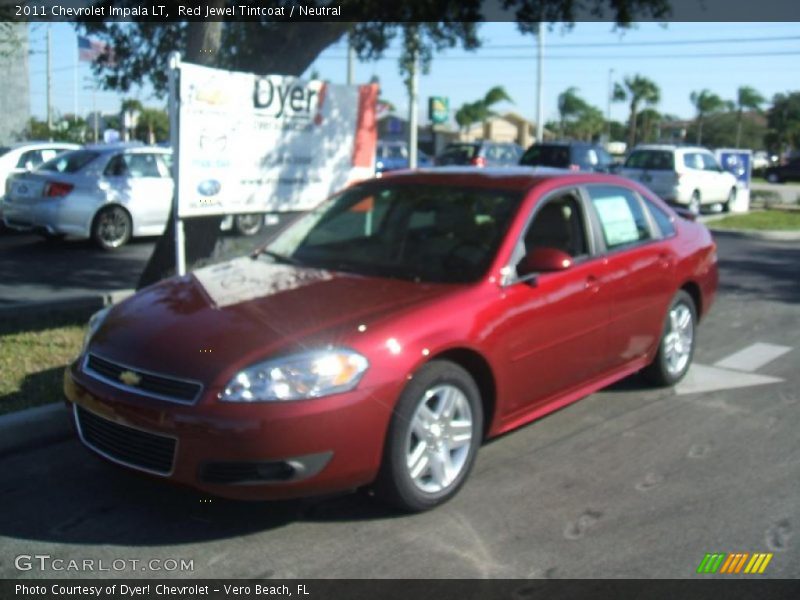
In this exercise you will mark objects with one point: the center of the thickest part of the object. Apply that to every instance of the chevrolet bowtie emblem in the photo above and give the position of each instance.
(130, 378)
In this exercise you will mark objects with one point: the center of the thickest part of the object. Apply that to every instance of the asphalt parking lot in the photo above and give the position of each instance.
(630, 482)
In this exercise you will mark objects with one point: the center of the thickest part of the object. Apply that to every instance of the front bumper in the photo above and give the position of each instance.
(251, 452)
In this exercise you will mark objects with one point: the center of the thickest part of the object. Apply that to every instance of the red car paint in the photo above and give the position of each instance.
(533, 348)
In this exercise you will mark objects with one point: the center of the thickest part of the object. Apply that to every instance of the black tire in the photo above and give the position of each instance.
(659, 372)
(773, 178)
(112, 227)
(695, 205)
(395, 484)
(249, 224)
(726, 206)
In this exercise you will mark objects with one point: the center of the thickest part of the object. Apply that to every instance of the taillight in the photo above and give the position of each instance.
(479, 161)
(56, 189)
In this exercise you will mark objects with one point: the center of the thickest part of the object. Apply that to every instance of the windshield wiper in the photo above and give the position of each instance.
(279, 258)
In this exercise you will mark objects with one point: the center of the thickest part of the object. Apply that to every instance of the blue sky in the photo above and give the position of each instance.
(671, 55)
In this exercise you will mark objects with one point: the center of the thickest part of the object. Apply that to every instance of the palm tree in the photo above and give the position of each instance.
(480, 110)
(570, 105)
(636, 91)
(705, 102)
(747, 98)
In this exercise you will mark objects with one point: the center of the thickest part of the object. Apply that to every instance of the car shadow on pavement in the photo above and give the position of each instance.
(64, 494)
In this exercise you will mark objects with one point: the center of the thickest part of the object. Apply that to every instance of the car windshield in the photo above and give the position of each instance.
(430, 233)
(394, 152)
(546, 156)
(70, 162)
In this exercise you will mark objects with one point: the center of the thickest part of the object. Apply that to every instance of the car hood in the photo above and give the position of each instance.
(236, 313)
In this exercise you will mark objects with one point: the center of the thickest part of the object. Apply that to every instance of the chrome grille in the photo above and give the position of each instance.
(126, 445)
(150, 384)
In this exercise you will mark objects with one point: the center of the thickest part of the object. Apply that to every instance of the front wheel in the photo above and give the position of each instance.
(676, 349)
(433, 438)
(249, 224)
(728, 204)
(112, 228)
(694, 203)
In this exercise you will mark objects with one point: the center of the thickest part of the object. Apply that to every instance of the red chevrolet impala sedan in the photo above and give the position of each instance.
(379, 339)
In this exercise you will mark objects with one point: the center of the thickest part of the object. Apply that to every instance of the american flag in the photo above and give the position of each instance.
(90, 50)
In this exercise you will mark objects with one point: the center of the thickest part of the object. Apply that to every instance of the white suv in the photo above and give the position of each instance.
(687, 175)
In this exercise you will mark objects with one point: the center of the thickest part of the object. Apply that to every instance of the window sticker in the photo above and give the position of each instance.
(619, 224)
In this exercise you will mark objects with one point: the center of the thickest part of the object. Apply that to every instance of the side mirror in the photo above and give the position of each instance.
(543, 260)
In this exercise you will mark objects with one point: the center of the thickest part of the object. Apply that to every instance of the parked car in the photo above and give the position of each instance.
(109, 193)
(789, 171)
(480, 154)
(379, 339)
(761, 160)
(26, 156)
(393, 156)
(685, 175)
(575, 156)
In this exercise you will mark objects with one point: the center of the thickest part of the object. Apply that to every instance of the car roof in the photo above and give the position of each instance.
(669, 147)
(36, 143)
(127, 146)
(514, 178)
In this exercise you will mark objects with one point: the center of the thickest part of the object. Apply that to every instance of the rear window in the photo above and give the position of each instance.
(656, 160)
(460, 152)
(70, 162)
(546, 156)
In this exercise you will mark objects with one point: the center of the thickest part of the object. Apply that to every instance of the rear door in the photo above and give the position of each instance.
(141, 182)
(653, 168)
(641, 271)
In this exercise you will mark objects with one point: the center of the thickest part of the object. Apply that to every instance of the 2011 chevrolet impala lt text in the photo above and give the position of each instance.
(380, 338)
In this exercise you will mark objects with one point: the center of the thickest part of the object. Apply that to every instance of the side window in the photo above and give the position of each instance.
(662, 219)
(710, 163)
(30, 159)
(49, 154)
(142, 165)
(116, 167)
(692, 160)
(622, 219)
(559, 224)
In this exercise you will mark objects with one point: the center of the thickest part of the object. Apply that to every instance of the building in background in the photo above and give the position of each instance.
(15, 97)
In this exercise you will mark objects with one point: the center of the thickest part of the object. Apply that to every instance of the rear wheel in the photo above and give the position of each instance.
(248, 224)
(676, 348)
(112, 227)
(433, 438)
(773, 178)
(694, 203)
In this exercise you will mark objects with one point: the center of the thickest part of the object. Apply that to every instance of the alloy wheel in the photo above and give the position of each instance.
(679, 339)
(439, 439)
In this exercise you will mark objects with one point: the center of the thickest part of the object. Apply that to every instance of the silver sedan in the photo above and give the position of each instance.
(108, 193)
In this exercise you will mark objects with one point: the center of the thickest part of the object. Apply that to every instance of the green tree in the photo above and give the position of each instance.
(140, 51)
(720, 131)
(705, 102)
(783, 120)
(480, 110)
(570, 107)
(638, 90)
(153, 126)
(747, 98)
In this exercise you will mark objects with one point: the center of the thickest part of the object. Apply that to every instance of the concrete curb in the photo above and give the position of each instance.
(33, 428)
(88, 302)
(773, 236)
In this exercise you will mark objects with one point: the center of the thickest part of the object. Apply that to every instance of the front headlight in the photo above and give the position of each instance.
(297, 377)
(94, 324)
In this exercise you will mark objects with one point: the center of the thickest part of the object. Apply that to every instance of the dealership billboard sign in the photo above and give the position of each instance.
(246, 143)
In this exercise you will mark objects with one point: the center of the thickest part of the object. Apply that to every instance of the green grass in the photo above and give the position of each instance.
(33, 354)
(777, 220)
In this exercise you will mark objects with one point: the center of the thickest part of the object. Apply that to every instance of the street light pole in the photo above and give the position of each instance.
(610, 96)
(540, 101)
(412, 106)
(49, 83)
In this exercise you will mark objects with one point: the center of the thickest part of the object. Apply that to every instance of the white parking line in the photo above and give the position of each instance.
(702, 378)
(753, 357)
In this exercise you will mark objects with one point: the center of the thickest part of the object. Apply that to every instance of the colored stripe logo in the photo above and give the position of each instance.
(735, 563)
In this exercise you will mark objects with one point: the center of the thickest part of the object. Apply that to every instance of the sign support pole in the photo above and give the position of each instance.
(174, 124)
